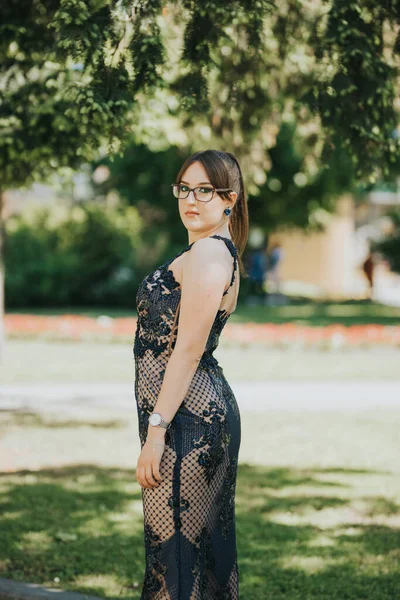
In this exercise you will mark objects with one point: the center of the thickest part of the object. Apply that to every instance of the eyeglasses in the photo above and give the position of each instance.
(201, 193)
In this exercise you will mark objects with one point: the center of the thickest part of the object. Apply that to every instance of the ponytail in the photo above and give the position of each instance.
(239, 219)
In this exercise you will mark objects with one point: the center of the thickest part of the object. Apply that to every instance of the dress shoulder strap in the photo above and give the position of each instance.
(232, 249)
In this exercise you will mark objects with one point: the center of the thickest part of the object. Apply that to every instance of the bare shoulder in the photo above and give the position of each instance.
(208, 249)
(208, 263)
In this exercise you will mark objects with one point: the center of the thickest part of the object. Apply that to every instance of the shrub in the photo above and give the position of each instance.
(82, 255)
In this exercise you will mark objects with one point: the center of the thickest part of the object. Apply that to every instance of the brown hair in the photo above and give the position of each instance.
(224, 171)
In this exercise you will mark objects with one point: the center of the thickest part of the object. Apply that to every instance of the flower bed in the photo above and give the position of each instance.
(105, 328)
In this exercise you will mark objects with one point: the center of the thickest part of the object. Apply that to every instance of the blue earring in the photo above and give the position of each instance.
(227, 211)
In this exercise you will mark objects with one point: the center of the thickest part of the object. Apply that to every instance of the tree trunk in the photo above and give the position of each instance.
(2, 269)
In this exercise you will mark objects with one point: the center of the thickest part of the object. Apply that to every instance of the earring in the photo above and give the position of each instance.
(227, 211)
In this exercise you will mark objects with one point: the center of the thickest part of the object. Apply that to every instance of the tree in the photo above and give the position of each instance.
(64, 87)
(330, 66)
(73, 71)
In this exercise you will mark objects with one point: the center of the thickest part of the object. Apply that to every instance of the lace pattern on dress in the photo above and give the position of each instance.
(189, 519)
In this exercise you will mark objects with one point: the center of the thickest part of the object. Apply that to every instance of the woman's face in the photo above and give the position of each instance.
(209, 215)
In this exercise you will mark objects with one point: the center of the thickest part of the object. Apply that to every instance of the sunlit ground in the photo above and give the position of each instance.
(318, 492)
(317, 504)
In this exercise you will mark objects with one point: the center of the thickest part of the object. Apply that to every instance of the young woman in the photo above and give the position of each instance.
(189, 421)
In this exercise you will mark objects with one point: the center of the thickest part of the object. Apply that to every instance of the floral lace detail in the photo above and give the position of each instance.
(205, 559)
(215, 332)
(178, 505)
(169, 277)
(157, 299)
(154, 567)
(146, 408)
(216, 437)
(227, 513)
(155, 313)
(230, 397)
(209, 363)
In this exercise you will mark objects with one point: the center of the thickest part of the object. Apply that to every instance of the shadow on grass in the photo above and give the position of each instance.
(84, 525)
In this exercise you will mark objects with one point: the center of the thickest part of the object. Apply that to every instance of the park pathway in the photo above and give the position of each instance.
(109, 399)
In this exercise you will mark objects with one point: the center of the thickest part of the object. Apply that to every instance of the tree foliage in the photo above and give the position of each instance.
(358, 91)
(82, 256)
(71, 71)
(290, 197)
(63, 88)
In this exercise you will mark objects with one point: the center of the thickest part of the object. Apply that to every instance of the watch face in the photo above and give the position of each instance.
(155, 419)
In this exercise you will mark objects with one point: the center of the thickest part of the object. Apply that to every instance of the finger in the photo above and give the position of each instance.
(149, 476)
(137, 473)
(156, 471)
(142, 474)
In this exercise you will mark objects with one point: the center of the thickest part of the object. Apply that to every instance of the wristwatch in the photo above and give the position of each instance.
(157, 420)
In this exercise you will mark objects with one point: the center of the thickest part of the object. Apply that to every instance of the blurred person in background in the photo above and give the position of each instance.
(257, 268)
(275, 256)
(368, 268)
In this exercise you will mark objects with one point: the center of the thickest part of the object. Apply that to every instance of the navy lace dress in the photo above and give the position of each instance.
(189, 519)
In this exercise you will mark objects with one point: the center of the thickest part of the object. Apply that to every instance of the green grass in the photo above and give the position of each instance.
(322, 313)
(29, 361)
(317, 505)
(300, 311)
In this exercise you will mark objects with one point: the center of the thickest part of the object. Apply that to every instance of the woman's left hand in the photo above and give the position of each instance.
(148, 465)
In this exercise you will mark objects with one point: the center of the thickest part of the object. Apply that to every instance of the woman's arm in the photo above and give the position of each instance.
(206, 274)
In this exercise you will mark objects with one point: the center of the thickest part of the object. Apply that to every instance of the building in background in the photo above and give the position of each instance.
(329, 264)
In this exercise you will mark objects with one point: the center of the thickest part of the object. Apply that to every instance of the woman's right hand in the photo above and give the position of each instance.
(148, 465)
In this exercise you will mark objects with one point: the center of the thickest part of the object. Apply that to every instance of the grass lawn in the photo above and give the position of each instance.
(314, 313)
(318, 492)
(317, 505)
(304, 312)
(30, 361)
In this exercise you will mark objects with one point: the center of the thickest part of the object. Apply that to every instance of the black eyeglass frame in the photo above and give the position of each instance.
(200, 186)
